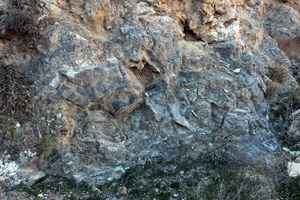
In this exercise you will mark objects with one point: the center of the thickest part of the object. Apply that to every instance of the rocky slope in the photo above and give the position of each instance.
(117, 83)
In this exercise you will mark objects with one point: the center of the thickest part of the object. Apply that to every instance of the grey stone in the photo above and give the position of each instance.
(127, 86)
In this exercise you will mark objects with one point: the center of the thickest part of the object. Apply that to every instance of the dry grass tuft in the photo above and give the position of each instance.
(24, 22)
(278, 74)
(15, 98)
(18, 24)
(271, 91)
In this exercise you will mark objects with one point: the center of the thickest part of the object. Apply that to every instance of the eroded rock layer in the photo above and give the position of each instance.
(122, 82)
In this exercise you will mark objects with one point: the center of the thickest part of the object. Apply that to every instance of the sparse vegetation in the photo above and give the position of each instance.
(19, 28)
(32, 6)
(271, 90)
(56, 187)
(46, 142)
(23, 24)
(190, 181)
(280, 118)
(278, 74)
(232, 184)
(15, 98)
(19, 24)
(289, 188)
(295, 100)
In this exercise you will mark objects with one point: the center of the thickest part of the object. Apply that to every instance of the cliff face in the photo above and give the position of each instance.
(121, 82)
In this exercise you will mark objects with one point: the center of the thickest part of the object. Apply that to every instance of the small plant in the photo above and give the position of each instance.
(14, 92)
(24, 22)
(278, 74)
(12, 132)
(59, 187)
(295, 100)
(271, 90)
(230, 183)
(282, 117)
(22, 122)
(26, 5)
(46, 142)
(18, 23)
(290, 188)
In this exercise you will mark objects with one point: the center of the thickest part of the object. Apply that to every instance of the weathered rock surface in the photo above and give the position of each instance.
(282, 21)
(293, 169)
(123, 82)
(294, 131)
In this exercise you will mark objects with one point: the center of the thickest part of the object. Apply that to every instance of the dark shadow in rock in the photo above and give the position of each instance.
(190, 36)
(146, 75)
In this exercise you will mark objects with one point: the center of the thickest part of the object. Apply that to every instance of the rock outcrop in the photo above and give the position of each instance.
(121, 82)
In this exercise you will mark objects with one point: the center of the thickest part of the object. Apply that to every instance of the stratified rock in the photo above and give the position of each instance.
(122, 82)
(25, 176)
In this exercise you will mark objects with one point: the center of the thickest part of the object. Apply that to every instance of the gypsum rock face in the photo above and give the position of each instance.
(210, 21)
(282, 22)
(139, 91)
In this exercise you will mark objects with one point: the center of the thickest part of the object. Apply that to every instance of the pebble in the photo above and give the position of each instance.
(237, 70)
(293, 169)
(122, 190)
(18, 125)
